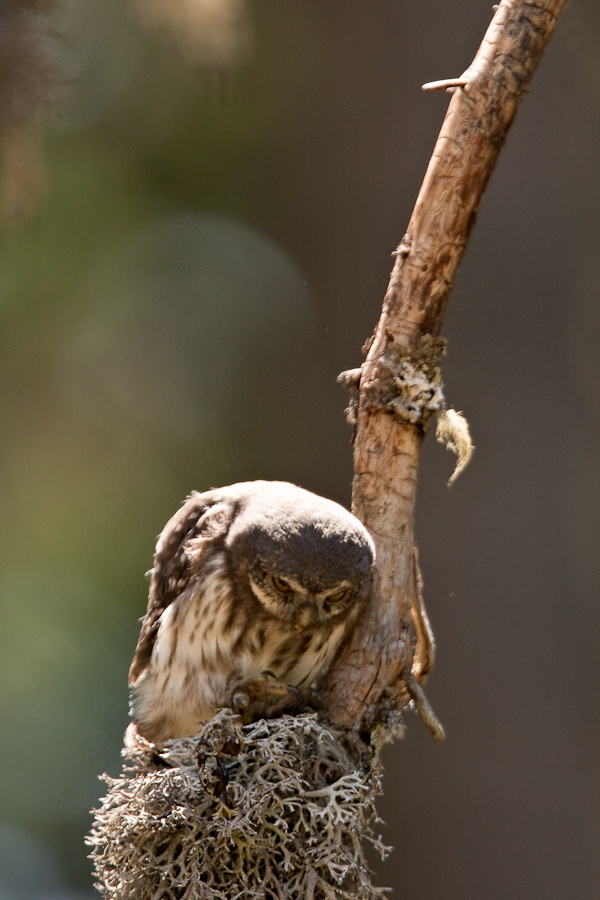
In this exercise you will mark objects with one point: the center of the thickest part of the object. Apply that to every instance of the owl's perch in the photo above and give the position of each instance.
(273, 810)
(366, 679)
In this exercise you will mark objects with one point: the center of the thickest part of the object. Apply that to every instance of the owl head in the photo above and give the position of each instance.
(304, 559)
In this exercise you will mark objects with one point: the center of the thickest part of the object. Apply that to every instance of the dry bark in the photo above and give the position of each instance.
(371, 673)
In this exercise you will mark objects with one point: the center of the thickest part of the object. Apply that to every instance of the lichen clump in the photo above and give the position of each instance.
(273, 810)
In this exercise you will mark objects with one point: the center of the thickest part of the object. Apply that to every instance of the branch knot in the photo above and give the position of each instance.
(407, 381)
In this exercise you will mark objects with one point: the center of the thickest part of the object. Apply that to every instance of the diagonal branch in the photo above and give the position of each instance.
(398, 379)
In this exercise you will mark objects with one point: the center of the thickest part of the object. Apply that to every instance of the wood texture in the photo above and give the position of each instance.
(367, 675)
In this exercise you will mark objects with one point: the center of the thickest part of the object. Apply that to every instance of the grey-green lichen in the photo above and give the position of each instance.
(278, 810)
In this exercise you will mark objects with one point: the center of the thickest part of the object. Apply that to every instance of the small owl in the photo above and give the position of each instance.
(252, 590)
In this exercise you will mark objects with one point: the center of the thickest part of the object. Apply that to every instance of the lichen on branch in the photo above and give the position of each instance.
(278, 809)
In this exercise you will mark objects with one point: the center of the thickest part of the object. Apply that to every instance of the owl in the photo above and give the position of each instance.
(253, 588)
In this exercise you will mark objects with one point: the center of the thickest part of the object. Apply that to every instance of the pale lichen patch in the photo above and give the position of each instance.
(277, 810)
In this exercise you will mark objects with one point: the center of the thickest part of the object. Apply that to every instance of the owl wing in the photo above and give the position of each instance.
(207, 513)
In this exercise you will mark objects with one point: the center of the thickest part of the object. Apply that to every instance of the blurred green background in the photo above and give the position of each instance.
(221, 198)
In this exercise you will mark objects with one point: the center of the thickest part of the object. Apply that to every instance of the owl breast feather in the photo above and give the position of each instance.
(205, 643)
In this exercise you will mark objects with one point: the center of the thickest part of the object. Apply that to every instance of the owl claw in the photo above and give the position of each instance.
(265, 697)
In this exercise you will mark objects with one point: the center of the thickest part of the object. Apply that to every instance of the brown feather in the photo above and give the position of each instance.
(172, 567)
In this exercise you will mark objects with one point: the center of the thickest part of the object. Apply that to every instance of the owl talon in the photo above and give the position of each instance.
(313, 699)
(240, 702)
(265, 697)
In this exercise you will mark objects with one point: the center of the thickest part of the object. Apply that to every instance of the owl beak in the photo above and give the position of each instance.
(303, 618)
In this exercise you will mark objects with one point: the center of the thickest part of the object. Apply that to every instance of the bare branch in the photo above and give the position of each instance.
(368, 675)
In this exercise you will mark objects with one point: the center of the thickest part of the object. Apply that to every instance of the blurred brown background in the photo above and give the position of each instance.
(222, 197)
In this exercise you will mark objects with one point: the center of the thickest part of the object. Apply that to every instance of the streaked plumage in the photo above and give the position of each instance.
(251, 577)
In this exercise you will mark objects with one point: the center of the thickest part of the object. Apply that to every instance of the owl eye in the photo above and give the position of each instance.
(282, 586)
(337, 595)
